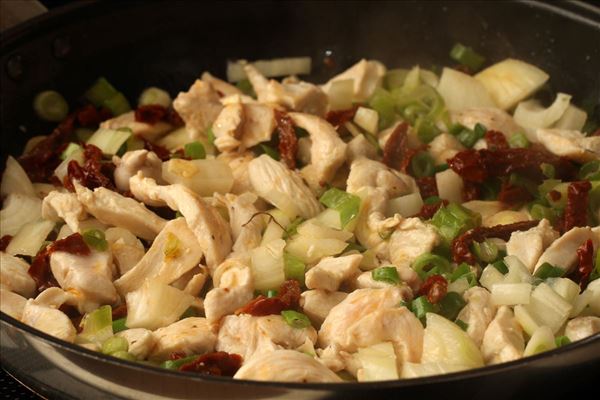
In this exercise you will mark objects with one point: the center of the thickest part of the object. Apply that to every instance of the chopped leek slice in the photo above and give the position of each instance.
(118, 325)
(194, 150)
(270, 151)
(97, 325)
(422, 165)
(50, 106)
(467, 56)
(100, 92)
(519, 140)
(454, 220)
(464, 271)
(114, 344)
(109, 140)
(421, 307)
(95, 238)
(485, 251)
(547, 270)
(246, 87)
(348, 205)
(590, 171)
(450, 305)
(154, 95)
(427, 263)
(176, 364)
(123, 355)
(118, 104)
(386, 274)
(384, 103)
(71, 148)
(562, 341)
(295, 319)
(293, 267)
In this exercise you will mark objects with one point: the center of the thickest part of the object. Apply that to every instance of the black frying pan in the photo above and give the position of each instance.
(168, 44)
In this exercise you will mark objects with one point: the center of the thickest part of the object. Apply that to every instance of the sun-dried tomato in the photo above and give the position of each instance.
(177, 355)
(218, 363)
(495, 140)
(151, 113)
(288, 142)
(396, 148)
(429, 210)
(40, 266)
(435, 288)
(513, 194)
(287, 298)
(89, 116)
(585, 256)
(469, 165)
(160, 151)
(461, 246)
(174, 118)
(119, 312)
(93, 174)
(471, 191)
(577, 204)
(5, 241)
(427, 186)
(338, 118)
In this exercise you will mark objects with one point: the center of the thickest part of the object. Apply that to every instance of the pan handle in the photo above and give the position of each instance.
(14, 12)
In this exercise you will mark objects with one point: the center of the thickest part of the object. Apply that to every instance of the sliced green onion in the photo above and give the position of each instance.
(462, 324)
(427, 262)
(95, 238)
(154, 95)
(194, 150)
(292, 228)
(293, 267)
(118, 325)
(485, 251)
(422, 165)
(384, 103)
(272, 293)
(100, 92)
(548, 170)
(469, 137)
(467, 56)
(590, 171)
(562, 341)
(500, 265)
(348, 205)
(450, 305)
(50, 106)
(115, 344)
(420, 307)
(386, 274)
(176, 364)
(426, 129)
(246, 87)
(394, 78)
(118, 104)
(270, 151)
(519, 140)
(432, 200)
(97, 325)
(441, 167)
(110, 141)
(547, 270)
(71, 148)
(464, 271)
(123, 355)
(295, 319)
(454, 220)
(539, 212)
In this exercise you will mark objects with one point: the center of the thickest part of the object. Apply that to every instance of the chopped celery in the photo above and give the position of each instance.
(154, 95)
(95, 239)
(386, 274)
(454, 220)
(71, 148)
(547, 270)
(467, 56)
(270, 151)
(100, 92)
(422, 164)
(383, 102)
(295, 319)
(348, 205)
(590, 171)
(421, 306)
(176, 364)
(293, 267)
(117, 104)
(50, 106)
(485, 251)
(194, 150)
(450, 305)
(114, 344)
(118, 325)
(426, 263)
(519, 140)
(97, 325)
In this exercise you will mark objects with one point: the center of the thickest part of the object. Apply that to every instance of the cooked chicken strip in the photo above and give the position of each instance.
(443, 147)
(330, 272)
(113, 209)
(126, 249)
(147, 131)
(245, 222)
(239, 168)
(528, 245)
(134, 161)
(410, 239)
(316, 304)
(492, 118)
(562, 252)
(359, 147)
(573, 145)
(286, 366)
(14, 276)
(367, 76)
(478, 313)
(582, 327)
(192, 335)
(233, 288)
(503, 339)
(198, 107)
(58, 206)
(141, 342)
(227, 128)
(48, 320)
(11, 303)
(220, 86)
(370, 173)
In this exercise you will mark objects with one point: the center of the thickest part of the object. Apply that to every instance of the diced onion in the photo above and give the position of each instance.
(541, 340)
(15, 180)
(573, 119)
(340, 94)
(490, 276)
(154, 95)
(270, 68)
(450, 186)
(509, 294)
(30, 238)
(19, 210)
(313, 230)
(268, 266)
(62, 170)
(517, 271)
(461, 91)
(407, 206)
(367, 119)
(310, 250)
(525, 319)
(329, 218)
(532, 116)
(459, 286)
(378, 363)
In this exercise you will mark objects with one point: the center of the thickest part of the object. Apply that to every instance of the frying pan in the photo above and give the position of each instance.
(168, 44)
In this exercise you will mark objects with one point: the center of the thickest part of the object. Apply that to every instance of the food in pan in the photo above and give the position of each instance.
(388, 224)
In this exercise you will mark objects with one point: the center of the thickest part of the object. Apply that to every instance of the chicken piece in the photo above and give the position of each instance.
(316, 304)
(371, 316)
(443, 147)
(298, 96)
(478, 313)
(174, 252)
(503, 339)
(192, 281)
(359, 147)
(245, 222)
(492, 118)
(141, 341)
(338, 360)
(89, 278)
(134, 161)
(282, 187)
(328, 151)
(126, 249)
(528, 245)
(11, 303)
(211, 230)
(227, 128)
(562, 253)
(370, 173)
(365, 281)
(220, 86)
(367, 76)
(58, 205)
(573, 145)
(239, 168)
(330, 272)
(258, 125)
(192, 335)
(198, 107)
(247, 335)
(14, 276)
(411, 239)
(582, 327)
(148, 131)
(286, 366)
(111, 208)
(233, 288)
(55, 297)
(48, 320)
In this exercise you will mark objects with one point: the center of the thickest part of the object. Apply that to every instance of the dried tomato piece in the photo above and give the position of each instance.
(513, 194)
(94, 173)
(338, 118)
(89, 116)
(159, 150)
(577, 204)
(176, 355)
(396, 147)
(5, 241)
(174, 118)
(427, 186)
(585, 255)
(469, 165)
(429, 210)
(461, 246)
(495, 140)
(471, 191)
(287, 298)
(288, 142)
(119, 312)
(218, 363)
(435, 288)
(150, 113)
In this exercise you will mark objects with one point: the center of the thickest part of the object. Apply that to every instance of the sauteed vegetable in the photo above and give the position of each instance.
(388, 224)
